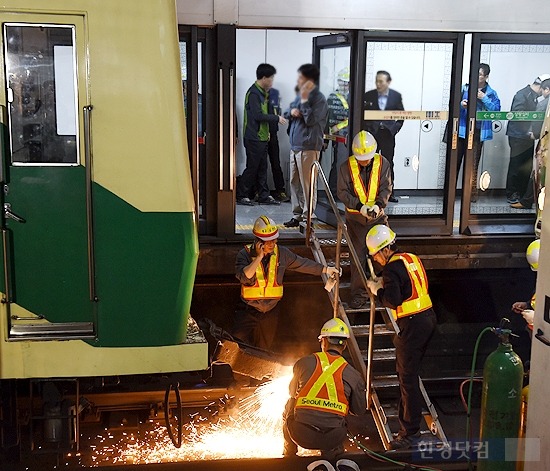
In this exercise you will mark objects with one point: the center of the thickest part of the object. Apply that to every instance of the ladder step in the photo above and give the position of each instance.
(385, 381)
(380, 354)
(363, 309)
(325, 242)
(363, 330)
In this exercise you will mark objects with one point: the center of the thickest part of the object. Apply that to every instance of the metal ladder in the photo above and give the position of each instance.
(380, 330)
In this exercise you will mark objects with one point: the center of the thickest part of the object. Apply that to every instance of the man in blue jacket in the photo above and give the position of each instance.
(522, 144)
(308, 120)
(486, 100)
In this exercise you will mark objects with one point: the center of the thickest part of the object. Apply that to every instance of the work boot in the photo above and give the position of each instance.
(269, 200)
(333, 453)
(245, 201)
(292, 223)
(404, 441)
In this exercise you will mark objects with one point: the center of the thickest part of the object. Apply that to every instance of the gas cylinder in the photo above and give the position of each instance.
(500, 408)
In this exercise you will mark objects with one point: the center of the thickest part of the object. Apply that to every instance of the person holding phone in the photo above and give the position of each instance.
(260, 267)
(309, 118)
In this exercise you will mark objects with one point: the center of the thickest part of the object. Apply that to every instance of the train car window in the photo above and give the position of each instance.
(42, 94)
(406, 107)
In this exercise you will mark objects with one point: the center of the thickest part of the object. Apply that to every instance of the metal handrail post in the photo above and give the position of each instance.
(317, 170)
(337, 285)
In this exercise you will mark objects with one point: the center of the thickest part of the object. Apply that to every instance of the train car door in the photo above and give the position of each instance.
(46, 224)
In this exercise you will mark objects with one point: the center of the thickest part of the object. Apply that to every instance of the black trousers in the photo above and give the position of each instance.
(410, 346)
(255, 174)
(275, 160)
(528, 197)
(310, 437)
(477, 148)
(254, 327)
(386, 146)
(520, 166)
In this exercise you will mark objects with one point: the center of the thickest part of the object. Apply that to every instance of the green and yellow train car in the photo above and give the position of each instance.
(98, 228)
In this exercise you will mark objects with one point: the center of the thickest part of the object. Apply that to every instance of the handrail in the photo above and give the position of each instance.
(342, 230)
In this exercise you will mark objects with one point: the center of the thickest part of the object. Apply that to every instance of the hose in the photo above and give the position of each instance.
(379, 457)
(176, 443)
(469, 404)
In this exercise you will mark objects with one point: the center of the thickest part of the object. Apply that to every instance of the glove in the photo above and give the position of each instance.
(529, 316)
(370, 211)
(374, 286)
(333, 272)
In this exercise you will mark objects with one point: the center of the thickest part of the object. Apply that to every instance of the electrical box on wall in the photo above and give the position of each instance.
(407, 161)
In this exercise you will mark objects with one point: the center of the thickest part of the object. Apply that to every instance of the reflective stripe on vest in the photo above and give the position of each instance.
(324, 391)
(342, 124)
(264, 289)
(420, 299)
(365, 196)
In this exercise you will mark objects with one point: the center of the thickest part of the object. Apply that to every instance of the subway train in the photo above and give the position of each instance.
(99, 230)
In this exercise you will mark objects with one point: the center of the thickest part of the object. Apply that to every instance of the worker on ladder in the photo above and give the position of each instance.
(260, 267)
(324, 389)
(364, 186)
(403, 288)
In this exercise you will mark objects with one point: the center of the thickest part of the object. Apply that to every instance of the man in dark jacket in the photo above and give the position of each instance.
(257, 117)
(306, 141)
(384, 98)
(522, 144)
(260, 267)
(404, 289)
(323, 391)
(273, 150)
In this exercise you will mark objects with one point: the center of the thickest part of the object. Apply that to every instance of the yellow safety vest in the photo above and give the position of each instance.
(366, 196)
(266, 287)
(342, 124)
(420, 299)
(324, 391)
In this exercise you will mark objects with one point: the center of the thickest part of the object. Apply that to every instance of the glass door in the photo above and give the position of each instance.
(410, 104)
(500, 125)
(332, 54)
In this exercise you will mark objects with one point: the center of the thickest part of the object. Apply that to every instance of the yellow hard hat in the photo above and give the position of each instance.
(378, 237)
(343, 75)
(335, 329)
(265, 229)
(532, 254)
(364, 146)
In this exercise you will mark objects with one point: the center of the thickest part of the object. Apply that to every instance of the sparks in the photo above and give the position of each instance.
(255, 433)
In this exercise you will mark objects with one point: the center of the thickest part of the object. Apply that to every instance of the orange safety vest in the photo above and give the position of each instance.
(365, 195)
(420, 299)
(324, 391)
(266, 287)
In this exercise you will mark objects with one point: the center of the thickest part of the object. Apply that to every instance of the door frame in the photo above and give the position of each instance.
(484, 224)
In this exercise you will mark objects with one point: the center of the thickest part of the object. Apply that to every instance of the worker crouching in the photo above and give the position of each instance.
(260, 268)
(323, 391)
(404, 289)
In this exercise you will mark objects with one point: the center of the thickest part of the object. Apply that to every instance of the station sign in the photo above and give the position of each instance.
(394, 115)
(510, 115)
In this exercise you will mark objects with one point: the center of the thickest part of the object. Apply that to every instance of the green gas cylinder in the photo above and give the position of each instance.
(500, 408)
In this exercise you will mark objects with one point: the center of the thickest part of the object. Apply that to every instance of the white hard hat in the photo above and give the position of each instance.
(541, 78)
(378, 237)
(265, 229)
(532, 254)
(364, 146)
(335, 328)
(344, 74)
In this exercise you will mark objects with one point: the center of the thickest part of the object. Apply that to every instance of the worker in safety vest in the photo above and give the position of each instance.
(364, 186)
(403, 288)
(324, 389)
(337, 125)
(527, 308)
(260, 267)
